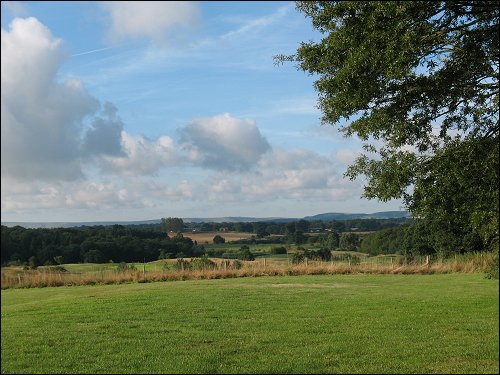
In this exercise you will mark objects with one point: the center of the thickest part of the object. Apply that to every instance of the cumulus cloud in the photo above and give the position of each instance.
(150, 19)
(223, 142)
(42, 118)
(286, 174)
(105, 134)
(142, 155)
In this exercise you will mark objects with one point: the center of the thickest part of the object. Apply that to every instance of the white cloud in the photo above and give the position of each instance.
(143, 156)
(286, 174)
(223, 142)
(150, 19)
(43, 119)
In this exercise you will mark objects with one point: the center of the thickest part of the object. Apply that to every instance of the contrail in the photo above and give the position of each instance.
(86, 53)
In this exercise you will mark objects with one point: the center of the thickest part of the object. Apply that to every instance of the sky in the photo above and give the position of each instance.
(142, 110)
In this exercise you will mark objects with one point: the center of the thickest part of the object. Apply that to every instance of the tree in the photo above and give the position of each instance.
(172, 224)
(349, 241)
(218, 239)
(417, 82)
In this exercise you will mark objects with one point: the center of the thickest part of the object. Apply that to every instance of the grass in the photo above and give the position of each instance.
(445, 323)
(91, 274)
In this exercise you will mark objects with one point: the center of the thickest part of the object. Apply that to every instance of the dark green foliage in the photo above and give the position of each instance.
(219, 239)
(387, 241)
(89, 244)
(278, 250)
(349, 241)
(245, 253)
(417, 82)
(297, 257)
(172, 224)
(33, 262)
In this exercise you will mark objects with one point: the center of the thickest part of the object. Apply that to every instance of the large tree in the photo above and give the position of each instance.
(417, 82)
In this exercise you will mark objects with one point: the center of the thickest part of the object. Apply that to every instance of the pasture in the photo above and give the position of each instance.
(441, 323)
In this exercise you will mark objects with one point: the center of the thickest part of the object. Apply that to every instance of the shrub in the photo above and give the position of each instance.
(278, 250)
(202, 263)
(219, 239)
(124, 267)
(245, 253)
(297, 258)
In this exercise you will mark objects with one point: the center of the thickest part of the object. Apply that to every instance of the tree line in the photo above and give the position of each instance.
(96, 244)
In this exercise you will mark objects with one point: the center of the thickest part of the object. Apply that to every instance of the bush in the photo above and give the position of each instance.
(297, 258)
(245, 253)
(278, 250)
(219, 239)
(124, 267)
(202, 263)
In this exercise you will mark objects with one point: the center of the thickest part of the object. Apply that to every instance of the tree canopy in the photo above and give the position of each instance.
(417, 82)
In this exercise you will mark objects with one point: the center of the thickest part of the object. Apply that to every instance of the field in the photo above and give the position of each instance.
(446, 323)
(207, 237)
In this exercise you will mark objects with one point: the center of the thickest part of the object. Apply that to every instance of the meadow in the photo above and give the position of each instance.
(446, 323)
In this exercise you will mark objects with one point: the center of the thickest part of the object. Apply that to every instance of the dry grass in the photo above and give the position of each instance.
(17, 278)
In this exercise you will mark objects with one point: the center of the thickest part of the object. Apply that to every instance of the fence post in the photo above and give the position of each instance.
(306, 261)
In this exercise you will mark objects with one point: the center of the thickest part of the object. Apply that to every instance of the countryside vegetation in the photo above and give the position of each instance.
(417, 82)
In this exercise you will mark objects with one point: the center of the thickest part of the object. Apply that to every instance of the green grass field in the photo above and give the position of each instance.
(445, 323)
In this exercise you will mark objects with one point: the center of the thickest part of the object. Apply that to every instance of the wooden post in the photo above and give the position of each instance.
(225, 265)
(264, 262)
(19, 278)
(306, 261)
(144, 268)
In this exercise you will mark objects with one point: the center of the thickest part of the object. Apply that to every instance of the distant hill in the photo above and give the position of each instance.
(230, 219)
(350, 216)
(237, 219)
(75, 224)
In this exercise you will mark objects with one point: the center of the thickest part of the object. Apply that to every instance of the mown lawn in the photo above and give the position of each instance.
(444, 323)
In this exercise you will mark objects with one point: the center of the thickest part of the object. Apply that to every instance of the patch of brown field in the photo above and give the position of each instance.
(202, 237)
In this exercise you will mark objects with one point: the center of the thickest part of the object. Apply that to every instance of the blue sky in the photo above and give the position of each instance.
(142, 110)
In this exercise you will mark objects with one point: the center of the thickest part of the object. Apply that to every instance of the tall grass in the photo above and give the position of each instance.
(466, 263)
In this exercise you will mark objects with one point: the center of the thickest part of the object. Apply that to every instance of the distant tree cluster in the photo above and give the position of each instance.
(172, 224)
(88, 245)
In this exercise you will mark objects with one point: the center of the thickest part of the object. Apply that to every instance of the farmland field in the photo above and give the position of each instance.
(202, 237)
(444, 323)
